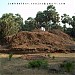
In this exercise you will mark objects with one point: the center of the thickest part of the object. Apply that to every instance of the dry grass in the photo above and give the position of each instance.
(43, 54)
(17, 66)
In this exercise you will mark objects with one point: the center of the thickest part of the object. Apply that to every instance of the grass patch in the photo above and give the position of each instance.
(10, 56)
(53, 57)
(67, 66)
(38, 64)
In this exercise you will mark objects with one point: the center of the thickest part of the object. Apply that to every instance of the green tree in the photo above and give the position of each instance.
(10, 24)
(19, 20)
(47, 16)
(65, 20)
(72, 23)
(30, 24)
(39, 18)
(53, 15)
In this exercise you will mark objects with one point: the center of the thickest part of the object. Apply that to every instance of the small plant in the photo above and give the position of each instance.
(44, 64)
(10, 56)
(53, 57)
(38, 64)
(49, 55)
(68, 66)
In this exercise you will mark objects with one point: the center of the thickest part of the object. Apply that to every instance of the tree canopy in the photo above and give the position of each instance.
(10, 24)
(48, 18)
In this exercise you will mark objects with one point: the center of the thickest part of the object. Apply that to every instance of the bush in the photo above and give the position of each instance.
(68, 66)
(49, 55)
(38, 64)
(53, 57)
(10, 56)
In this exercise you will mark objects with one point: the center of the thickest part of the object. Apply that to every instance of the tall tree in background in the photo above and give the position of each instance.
(39, 18)
(72, 23)
(19, 20)
(47, 16)
(10, 24)
(30, 24)
(53, 15)
(65, 20)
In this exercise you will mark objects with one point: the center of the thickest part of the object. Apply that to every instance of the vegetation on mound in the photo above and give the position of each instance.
(12, 31)
(49, 18)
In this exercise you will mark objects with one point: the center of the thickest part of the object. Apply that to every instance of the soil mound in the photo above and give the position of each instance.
(40, 41)
(60, 33)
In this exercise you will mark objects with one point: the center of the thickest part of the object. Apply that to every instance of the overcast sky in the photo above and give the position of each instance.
(30, 10)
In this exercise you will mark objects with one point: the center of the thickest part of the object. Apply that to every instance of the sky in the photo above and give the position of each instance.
(30, 10)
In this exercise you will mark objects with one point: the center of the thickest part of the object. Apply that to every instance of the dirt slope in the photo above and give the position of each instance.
(40, 41)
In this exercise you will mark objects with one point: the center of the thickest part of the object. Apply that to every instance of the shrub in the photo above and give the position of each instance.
(53, 57)
(38, 64)
(49, 55)
(68, 66)
(10, 56)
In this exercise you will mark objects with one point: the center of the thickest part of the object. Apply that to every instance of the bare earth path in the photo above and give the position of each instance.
(51, 54)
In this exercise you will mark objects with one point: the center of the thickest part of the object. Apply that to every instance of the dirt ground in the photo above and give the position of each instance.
(18, 66)
(51, 54)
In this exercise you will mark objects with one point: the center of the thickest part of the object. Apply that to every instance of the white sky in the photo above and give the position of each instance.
(30, 10)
